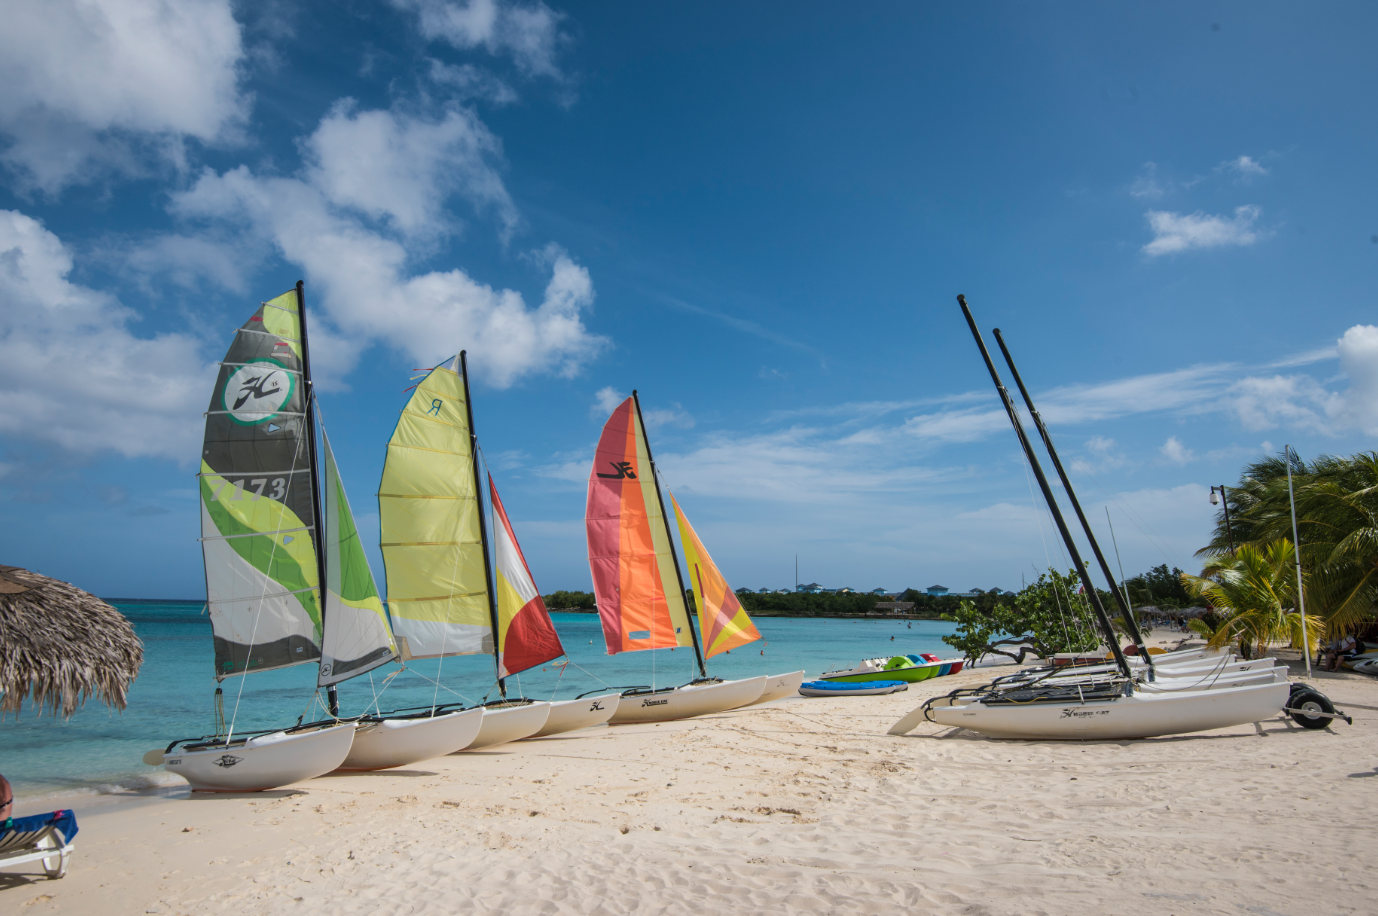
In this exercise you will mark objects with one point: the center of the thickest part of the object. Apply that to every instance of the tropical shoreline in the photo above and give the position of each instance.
(799, 806)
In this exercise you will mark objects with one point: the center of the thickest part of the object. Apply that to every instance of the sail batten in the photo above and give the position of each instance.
(258, 537)
(432, 540)
(635, 578)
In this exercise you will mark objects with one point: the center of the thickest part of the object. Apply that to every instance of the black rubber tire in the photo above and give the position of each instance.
(1311, 701)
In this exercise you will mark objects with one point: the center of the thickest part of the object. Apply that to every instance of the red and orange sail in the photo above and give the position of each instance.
(526, 637)
(723, 624)
(635, 579)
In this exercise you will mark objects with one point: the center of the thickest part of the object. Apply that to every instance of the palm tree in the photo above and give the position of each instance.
(1337, 519)
(1256, 592)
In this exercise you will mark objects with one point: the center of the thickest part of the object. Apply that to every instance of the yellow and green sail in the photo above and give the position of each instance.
(432, 538)
(723, 624)
(357, 636)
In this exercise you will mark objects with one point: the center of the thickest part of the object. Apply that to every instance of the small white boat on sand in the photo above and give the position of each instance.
(504, 723)
(779, 686)
(697, 699)
(573, 715)
(261, 762)
(1114, 716)
(397, 741)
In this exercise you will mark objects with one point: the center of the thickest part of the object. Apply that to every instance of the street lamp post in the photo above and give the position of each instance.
(1222, 500)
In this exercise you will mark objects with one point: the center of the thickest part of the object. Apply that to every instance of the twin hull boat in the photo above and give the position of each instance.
(261, 762)
(686, 701)
(1140, 715)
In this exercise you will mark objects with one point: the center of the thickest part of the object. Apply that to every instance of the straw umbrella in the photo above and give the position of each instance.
(61, 644)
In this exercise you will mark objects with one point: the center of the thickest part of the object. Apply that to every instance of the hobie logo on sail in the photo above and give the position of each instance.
(255, 392)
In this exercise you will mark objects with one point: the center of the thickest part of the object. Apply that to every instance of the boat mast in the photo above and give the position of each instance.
(1102, 618)
(1125, 613)
(482, 525)
(679, 577)
(332, 697)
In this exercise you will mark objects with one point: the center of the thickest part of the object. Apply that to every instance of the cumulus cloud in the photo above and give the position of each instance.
(402, 168)
(1173, 232)
(92, 85)
(1174, 451)
(530, 33)
(348, 239)
(73, 374)
(1285, 400)
(1358, 350)
(606, 401)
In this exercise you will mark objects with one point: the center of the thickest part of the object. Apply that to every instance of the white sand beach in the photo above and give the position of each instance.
(804, 806)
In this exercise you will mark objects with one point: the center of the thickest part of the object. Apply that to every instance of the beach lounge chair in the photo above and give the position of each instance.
(45, 837)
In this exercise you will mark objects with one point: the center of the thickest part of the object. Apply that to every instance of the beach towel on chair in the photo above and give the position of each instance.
(19, 833)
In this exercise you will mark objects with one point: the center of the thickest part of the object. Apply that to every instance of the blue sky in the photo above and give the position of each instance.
(759, 216)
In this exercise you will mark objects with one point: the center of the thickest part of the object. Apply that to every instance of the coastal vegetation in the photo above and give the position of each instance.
(1046, 617)
(1253, 594)
(1337, 523)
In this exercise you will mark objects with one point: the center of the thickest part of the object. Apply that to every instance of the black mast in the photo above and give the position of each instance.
(655, 478)
(482, 523)
(1091, 593)
(1125, 613)
(332, 697)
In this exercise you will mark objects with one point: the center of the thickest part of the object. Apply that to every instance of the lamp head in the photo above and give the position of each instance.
(1215, 499)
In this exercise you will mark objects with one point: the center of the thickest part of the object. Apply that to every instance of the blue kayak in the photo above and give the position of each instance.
(850, 688)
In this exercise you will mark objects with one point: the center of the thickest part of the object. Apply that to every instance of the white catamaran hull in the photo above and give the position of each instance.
(1143, 715)
(398, 742)
(779, 686)
(263, 762)
(509, 723)
(687, 701)
(572, 715)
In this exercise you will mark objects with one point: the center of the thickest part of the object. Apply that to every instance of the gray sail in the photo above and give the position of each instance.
(258, 533)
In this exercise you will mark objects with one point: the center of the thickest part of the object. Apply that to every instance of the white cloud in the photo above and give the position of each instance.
(71, 372)
(465, 81)
(367, 294)
(1174, 451)
(606, 401)
(401, 169)
(530, 33)
(1359, 359)
(1246, 166)
(674, 415)
(111, 82)
(1173, 232)
(1297, 401)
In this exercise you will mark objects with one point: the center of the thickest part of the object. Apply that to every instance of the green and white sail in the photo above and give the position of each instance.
(432, 536)
(258, 534)
(357, 635)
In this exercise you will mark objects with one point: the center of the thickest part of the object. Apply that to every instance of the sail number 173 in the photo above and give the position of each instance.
(277, 489)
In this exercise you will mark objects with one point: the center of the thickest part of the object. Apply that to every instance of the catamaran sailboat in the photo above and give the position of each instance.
(443, 594)
(270, 559)
(640, 591)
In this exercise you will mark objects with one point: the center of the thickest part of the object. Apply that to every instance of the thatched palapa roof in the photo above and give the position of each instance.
(62, 645)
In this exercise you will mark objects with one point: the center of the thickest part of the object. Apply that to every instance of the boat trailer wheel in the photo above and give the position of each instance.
(1310, 709)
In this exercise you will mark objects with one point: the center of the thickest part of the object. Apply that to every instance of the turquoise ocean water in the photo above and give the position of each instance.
(99, 751)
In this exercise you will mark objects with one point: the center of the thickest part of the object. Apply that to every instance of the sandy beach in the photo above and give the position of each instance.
(802, 806)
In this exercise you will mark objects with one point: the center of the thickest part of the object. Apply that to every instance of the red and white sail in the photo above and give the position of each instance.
(526, 635)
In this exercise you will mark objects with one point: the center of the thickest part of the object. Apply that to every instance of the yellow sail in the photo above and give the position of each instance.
(431, 534)
(723, 624)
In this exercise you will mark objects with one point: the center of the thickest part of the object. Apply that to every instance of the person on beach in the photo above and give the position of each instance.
(6, 799)
(1340, 650)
